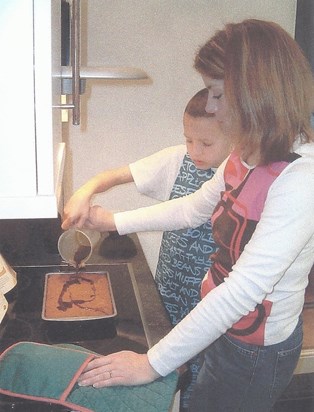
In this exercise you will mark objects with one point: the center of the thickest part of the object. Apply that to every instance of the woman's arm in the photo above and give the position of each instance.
(276, 261)
(184, 212)
(188, 211)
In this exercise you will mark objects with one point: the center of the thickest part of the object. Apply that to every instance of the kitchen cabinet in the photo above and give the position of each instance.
(31, 81)
(32, 151)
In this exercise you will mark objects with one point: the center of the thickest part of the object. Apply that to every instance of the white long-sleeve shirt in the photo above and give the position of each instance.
(274, 263)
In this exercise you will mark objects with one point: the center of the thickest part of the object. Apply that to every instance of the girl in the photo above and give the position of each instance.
(260, 202)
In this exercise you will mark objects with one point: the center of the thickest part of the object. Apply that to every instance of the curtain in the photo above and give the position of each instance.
(304, 29)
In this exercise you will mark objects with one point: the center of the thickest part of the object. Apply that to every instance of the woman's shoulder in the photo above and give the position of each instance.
(305, 150)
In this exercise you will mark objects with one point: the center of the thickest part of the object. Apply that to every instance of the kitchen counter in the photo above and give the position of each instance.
(306, 362)
(154, 315)
(141, 318)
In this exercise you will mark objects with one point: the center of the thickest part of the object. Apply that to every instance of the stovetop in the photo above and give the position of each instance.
(23, 321)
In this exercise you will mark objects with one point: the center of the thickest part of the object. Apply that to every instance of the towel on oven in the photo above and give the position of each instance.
(48, 373)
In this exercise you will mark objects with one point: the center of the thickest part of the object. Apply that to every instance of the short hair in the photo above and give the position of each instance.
(268, 85)
(196, 106)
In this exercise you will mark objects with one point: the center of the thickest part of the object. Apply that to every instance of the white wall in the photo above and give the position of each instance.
(126, 121)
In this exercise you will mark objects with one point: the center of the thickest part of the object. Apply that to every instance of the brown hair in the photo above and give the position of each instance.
(268, 85)
(196, 106)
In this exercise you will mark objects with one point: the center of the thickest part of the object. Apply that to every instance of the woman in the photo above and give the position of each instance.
(261, 203)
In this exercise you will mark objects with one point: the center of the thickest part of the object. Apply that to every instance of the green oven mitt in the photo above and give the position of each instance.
(48, 373)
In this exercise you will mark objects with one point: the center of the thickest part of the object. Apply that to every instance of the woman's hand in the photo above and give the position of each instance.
(100, 219)
(121, 368)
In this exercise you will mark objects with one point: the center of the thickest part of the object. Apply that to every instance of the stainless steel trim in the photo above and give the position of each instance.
(74, 76)
(104, 72)
(63, 106)
(76, 60)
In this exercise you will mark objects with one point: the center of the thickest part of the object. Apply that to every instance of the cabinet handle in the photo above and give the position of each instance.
(73, 77)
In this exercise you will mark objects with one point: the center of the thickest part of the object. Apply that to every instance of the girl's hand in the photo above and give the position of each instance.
(121, 368)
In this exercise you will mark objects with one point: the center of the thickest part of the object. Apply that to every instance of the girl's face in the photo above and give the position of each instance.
(216, 103)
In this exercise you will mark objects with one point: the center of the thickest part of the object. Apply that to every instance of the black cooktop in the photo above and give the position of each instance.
(24, 322)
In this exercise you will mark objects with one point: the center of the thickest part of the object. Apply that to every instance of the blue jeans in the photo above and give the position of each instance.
(240, 377)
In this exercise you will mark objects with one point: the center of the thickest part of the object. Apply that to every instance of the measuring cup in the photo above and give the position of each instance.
(76, 246)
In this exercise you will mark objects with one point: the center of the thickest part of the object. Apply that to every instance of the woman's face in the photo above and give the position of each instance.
(216, 103)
